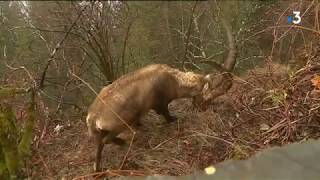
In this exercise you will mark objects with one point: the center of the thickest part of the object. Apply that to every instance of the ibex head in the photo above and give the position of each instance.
(217, 85)
(222, 82)
(193, 84)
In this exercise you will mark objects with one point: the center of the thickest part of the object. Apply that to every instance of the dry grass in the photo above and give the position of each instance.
(282, 103)
(193, 142)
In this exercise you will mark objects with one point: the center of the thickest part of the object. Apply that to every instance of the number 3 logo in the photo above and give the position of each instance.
(297, 16)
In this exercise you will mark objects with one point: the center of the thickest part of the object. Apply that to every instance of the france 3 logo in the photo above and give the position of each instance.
(295, 19)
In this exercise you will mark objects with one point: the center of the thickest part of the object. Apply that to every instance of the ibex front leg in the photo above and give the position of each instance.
(102, 138)
(163, 110)
(100, 145)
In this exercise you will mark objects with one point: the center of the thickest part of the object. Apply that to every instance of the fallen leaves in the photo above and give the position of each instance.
(316, 81)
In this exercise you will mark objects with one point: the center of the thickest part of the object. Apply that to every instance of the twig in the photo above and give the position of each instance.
(23, 68)
(126, 37)
(45, 165)
(111, 172)
(283, 26)
(214, 137)
(127, 153)
(165, 141)
(116, 114)
(188, 33)
(111, 109)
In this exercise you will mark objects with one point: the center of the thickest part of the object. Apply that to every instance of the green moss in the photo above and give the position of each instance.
(10, 92)
(3, 167)
(239, 152)
(25, 143)
(8, 140)
(15, 147)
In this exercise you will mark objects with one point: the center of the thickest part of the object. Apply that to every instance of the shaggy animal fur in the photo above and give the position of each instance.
(127, 99)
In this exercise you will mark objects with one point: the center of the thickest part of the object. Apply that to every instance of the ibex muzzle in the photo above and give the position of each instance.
(127, 99)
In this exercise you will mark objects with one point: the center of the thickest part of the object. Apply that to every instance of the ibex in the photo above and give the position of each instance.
(127, 99)
(123, 102)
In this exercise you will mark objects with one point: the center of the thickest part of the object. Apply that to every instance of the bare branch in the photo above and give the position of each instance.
(43, 76)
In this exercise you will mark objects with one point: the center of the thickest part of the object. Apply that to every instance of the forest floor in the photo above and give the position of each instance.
(260, 111)
(176, 148)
